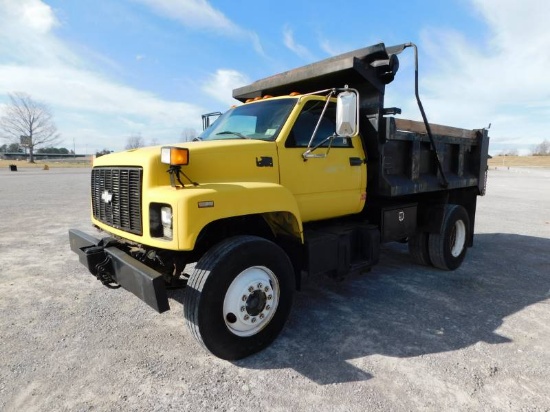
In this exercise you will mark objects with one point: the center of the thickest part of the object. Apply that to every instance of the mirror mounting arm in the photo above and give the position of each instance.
(332, 92)
(308, 154)
(347, 119)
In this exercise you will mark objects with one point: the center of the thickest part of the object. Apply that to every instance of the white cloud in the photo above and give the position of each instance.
(25, 35)
(300, 50)
(331, 49)
(95, 109)
(30, 14)
(221, 84)
(513, 22)
(199, 14)
(87, 105)
(75, 89)
(501, 79)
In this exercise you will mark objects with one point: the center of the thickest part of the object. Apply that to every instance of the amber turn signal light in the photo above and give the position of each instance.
(174, 156)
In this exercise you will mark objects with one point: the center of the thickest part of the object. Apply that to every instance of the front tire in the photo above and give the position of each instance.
(239, 296)
(448, 247)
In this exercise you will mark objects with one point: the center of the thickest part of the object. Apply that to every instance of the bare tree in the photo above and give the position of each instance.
(103, 152)
(135, 141)
(29, 122)
(188, 134)
(542, 149)
(509, 152)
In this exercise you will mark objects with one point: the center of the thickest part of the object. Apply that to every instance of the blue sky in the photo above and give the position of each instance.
(112, 69)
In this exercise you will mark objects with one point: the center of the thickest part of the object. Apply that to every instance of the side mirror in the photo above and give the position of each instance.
(347, 114)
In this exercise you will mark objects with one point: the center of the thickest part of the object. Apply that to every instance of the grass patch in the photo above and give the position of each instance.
(520, 161)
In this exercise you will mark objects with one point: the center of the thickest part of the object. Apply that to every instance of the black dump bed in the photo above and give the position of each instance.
(402, 162)
(366, 70)
(401, 158)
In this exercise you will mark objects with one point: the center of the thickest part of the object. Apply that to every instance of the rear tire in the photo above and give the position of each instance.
(239, 296)
(419, 249)
(447, 249)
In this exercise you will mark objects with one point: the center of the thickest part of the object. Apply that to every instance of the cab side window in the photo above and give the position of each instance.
(305, 124)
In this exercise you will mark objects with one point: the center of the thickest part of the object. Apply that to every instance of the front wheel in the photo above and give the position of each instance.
(239, 296)
(448, 247)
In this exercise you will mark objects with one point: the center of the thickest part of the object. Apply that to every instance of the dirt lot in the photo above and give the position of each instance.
(402, 337)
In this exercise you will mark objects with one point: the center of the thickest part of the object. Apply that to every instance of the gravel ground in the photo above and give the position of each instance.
(402, 337)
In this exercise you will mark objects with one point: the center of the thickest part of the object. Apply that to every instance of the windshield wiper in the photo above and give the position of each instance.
(242, 136)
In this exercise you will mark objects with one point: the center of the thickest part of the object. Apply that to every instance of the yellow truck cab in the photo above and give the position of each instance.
(307, 176)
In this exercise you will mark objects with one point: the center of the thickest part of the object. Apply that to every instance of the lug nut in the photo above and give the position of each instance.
(243, 308)
(261, 316)
(244, 298)
(251, 289)
(266, 289)
(269, 297)
(253, 320)
(260, 286)
(267, 307)
(246, 317)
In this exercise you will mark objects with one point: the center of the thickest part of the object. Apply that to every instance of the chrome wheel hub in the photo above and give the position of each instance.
(251, 301)
(458, 238)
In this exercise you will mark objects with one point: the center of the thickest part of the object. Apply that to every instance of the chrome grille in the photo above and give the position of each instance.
(116, 197)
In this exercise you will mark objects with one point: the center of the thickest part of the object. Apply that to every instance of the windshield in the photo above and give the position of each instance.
(262, 121)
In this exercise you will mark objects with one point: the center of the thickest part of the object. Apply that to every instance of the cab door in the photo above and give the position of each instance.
(325, 187)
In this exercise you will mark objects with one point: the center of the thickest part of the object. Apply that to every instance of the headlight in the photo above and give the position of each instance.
(166, 216)
(166, 219)
(161, 220)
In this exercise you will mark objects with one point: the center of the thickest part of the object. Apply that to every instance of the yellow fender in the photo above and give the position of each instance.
(198, 206)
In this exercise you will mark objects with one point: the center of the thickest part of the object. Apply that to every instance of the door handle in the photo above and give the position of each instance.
(355, 161)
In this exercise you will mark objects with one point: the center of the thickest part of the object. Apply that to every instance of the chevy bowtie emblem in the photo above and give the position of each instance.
(107, 196)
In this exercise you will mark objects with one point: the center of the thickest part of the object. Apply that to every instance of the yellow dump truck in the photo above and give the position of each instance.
(307, 177)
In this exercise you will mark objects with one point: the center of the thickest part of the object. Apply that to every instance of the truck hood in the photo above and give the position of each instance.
(217, 161)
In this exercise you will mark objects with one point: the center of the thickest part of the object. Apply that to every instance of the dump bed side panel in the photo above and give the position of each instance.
(401, 160)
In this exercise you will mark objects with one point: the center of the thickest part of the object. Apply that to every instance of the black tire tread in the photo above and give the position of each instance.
(419, 249)
(198, 279)
(204, 288)
(437, 241)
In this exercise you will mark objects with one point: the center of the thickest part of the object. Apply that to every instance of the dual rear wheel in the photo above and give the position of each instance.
(444, 250)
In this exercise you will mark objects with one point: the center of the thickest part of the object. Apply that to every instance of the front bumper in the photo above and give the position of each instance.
(104, 256)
